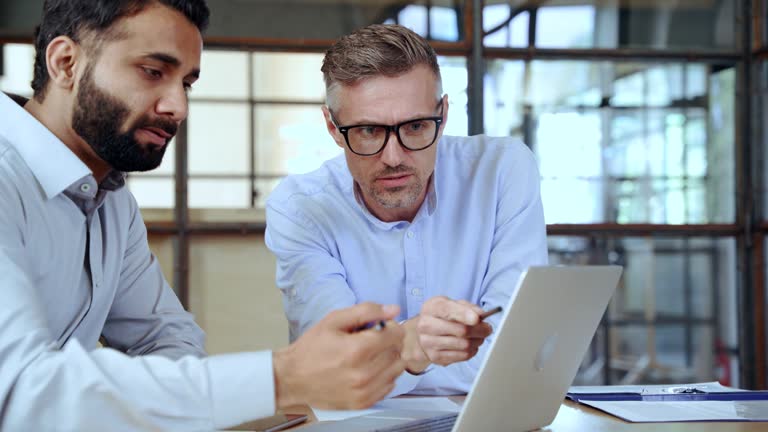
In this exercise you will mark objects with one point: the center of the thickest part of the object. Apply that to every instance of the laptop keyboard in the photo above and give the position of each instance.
(434, 424)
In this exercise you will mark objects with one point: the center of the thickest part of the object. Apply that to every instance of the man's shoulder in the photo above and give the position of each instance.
(13, 168)
(495, 150)
(314, 186)
(18, 186)
(5, 149)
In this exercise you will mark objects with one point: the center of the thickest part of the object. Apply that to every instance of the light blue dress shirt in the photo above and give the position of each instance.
(75, 265)
(479, 227)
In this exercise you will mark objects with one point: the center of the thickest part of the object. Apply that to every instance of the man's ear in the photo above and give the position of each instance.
(332, 129)
(444, 101)
(62, 56)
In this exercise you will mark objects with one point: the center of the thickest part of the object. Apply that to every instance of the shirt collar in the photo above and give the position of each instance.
(53, 164)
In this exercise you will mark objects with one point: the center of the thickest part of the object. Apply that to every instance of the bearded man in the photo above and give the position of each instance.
(110, 89)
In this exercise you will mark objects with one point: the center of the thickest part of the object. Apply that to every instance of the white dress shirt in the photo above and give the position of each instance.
(479, 227)
(74, 266)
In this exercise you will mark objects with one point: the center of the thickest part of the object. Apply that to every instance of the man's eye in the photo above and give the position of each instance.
(368, 131)
(153, 73)
(416, 127)
(187, 87)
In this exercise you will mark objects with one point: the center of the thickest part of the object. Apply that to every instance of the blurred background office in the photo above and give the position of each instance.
(647, 118)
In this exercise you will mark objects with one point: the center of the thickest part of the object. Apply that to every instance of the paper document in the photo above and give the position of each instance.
(708, 387)
(400, 403)
(647, 412)
(709, 401)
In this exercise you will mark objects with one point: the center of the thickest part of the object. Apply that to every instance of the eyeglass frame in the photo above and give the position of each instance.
(344, 130)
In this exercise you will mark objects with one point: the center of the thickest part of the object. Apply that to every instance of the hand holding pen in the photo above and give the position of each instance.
(445, 332)
(337, 364)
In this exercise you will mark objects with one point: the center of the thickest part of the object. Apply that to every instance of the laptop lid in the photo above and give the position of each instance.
(544, 333)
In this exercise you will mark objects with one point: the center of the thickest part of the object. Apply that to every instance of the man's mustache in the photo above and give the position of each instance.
(390, 171)
(168, 126)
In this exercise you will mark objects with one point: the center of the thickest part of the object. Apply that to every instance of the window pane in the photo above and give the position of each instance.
(572, 201)
(223, 75)
(219, 137)
(565, 26)
(761, 101)
(16, 76)
(674, 307)
(216, 193)
(415, 18)
(438, 21)
(444, 23)
(504, 26)
(153, 192)
(622, 142)
(453, 71)
(328, 20)
(262, 187)
(599, 24)
(288, 76)
(291, 139)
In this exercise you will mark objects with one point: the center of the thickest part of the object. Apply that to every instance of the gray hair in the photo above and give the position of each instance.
(376, 50)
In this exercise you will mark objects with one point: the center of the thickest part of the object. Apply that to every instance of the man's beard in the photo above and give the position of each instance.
(98, 116)
(397, 197)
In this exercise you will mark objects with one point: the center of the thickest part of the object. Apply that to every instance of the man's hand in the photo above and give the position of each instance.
(333, 366)
(446, 331)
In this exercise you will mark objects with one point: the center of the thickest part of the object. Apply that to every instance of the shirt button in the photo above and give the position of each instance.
(416, 291)
(85, 187)
(410, 234)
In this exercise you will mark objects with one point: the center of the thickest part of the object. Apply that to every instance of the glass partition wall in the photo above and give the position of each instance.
(646, 118)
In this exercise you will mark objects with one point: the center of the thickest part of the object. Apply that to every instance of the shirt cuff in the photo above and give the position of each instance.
(405, 383)
(242, 387)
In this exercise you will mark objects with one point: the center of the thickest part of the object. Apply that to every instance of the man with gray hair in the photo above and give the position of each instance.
(442, 226)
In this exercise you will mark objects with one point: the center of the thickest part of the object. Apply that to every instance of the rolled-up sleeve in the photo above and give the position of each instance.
(312, 281)
(311, 278)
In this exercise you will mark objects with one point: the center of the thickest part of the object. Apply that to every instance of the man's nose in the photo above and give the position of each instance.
(174, 104)
(392, 154)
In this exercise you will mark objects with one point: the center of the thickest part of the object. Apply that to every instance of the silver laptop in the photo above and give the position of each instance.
(544, 333)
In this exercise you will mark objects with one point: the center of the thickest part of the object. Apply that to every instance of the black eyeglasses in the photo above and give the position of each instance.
(370, 139)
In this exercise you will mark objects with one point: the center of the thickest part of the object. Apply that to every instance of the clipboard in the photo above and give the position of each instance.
(673, 403)
(757, 395)
(659, 393)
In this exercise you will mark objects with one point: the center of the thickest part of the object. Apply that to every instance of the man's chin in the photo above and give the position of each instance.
(399, 198)
(152, 146)
(143, 165)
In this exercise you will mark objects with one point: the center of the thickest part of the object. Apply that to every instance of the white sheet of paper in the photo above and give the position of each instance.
(409, 403)
(669, 411)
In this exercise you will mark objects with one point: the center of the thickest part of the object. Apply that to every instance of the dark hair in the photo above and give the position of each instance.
(77, 18)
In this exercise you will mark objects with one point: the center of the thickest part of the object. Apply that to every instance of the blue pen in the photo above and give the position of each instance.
(374, 325)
